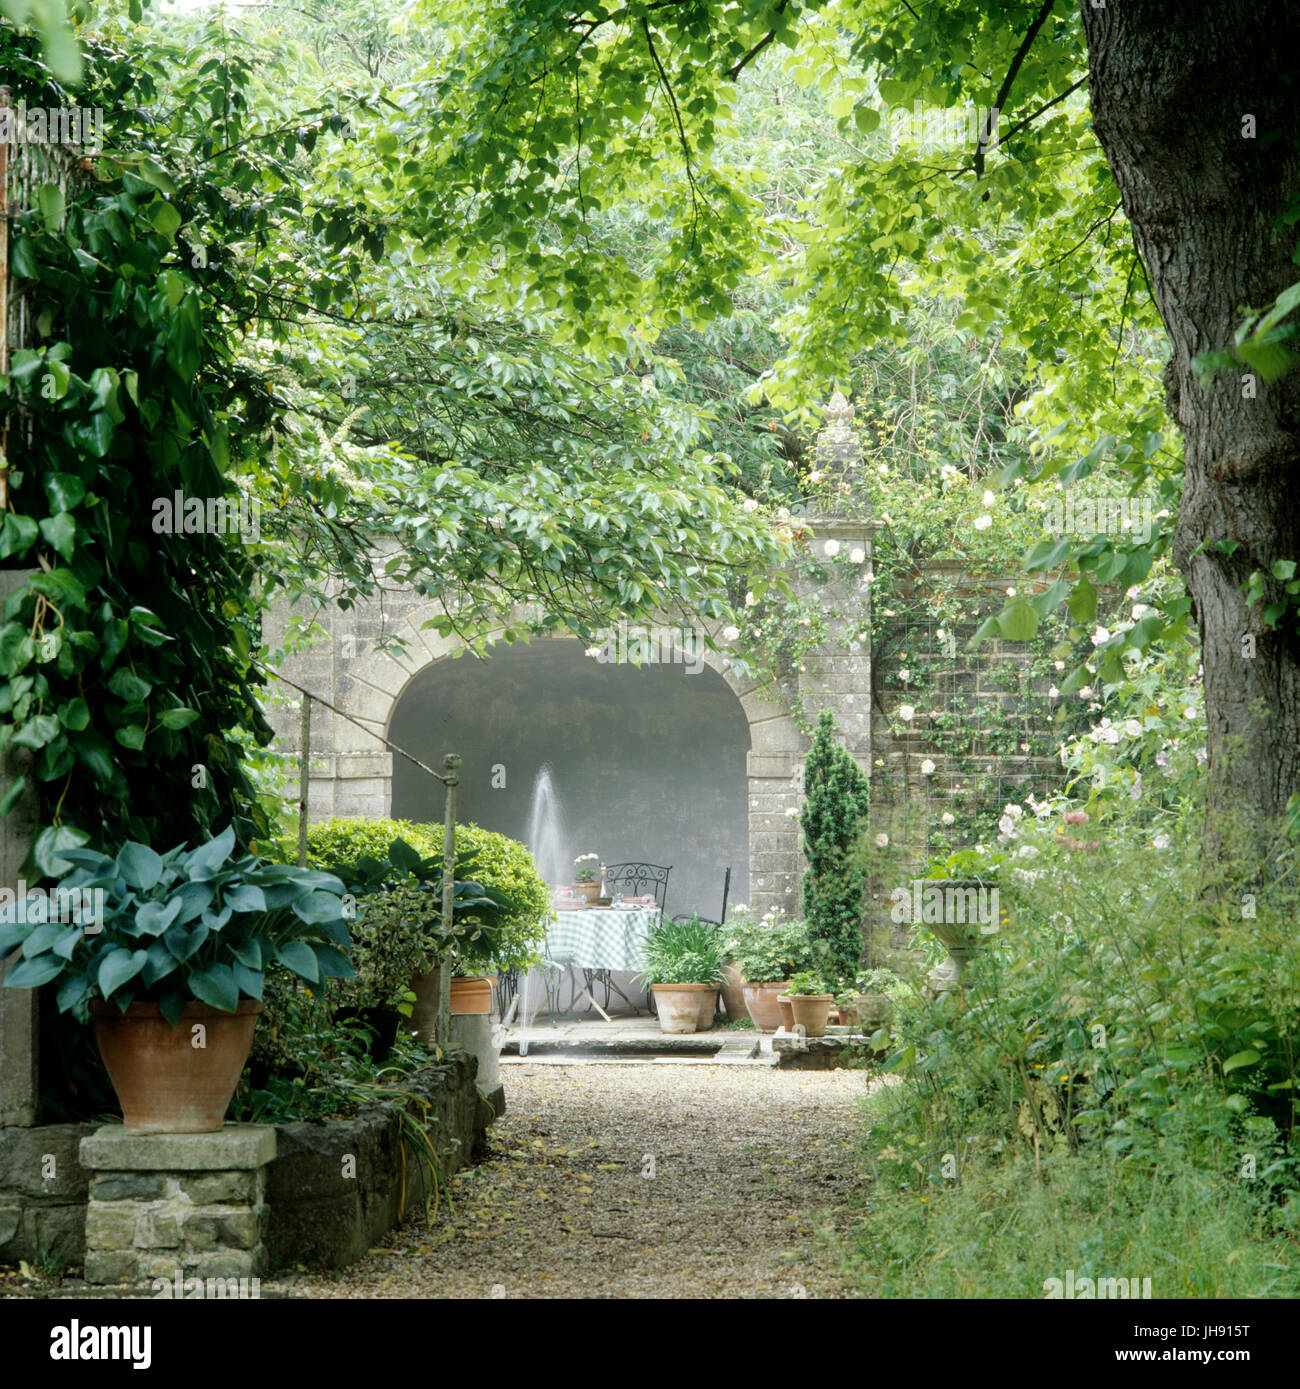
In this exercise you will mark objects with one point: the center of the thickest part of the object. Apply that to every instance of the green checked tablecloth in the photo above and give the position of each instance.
(600, 937)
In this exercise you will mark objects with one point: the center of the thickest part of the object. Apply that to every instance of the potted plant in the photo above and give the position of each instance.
(810, 1001)
(586, 876)
(872, 1002)
(767, 952)
(168, 954)
(683, 965)
(787, 1010)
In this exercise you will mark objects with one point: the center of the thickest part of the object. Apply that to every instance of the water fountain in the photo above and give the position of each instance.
(548, 842)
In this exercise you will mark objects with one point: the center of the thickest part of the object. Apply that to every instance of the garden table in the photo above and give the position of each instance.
(599, 940)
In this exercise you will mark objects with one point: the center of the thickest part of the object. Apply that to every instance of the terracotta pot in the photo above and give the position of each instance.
(589, 892)
(708, 1006)
(761, 1004)
(733, 993)
(811, 1012)
(874, 1011)
(473, 995)
(163, 1080)
(678, 1006)
(787, 1012)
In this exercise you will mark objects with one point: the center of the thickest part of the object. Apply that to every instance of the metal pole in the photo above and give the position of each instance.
(452, 779)
(304, 771)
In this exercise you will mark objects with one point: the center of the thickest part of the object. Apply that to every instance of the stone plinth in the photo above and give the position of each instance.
(838, 1048)
(160, 1203)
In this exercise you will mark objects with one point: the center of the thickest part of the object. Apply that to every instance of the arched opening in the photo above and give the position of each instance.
(648, 762)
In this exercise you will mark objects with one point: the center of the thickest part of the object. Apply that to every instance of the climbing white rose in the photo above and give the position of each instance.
(927, 768)
(947, 818)
(906, 712)
(858, 555)
(1100, 637)
(882, 841)
(832, 548)
(730, 633)
(988, 498)
(1132, 728)
(749, 504)
(1161, 841)
(982, 523)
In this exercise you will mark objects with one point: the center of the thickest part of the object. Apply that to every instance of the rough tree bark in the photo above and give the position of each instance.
(1173, 85)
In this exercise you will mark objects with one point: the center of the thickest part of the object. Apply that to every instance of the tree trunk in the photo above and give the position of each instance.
(1174, 86)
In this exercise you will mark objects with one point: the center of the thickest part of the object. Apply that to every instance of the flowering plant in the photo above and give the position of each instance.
(584, 868)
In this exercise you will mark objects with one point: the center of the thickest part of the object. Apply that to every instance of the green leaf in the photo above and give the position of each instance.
(216, 987)
(45, 851)
(139, 866)
(49, 198)
(1239, 1059)
(299, 957)
(60, 532)
(1018, 621)
(63, 490)
(75, 714)
(250, 981)
(334, 964)
(1082, 603)
(129, 687)
(317, 907)
(117, 967)
(31, 974)
(153, 918)
(177, 718)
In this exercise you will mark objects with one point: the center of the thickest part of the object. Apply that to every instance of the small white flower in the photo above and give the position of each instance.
(1140, 610)
(783, 513)
(1052, 692)
(749, 504)
(816, 475)
(593, 651)
(1027, 851)
(1131, 593)
(982, 523)
(1086, 692)
(1100, 637)
(1161, 841)
(988, 498)
(1058, 665)
(792, 811)
(947, 818)
(730, 633)
(1132, 728)
(1011, 593)
(927, 768)
(1162, 759)
(858, 556)
(906, 712)
(1189, 712)
(750, 600)
(831, 548)
(882, 841)
(1008, 827)
(1201, 755)
(905, 675)
(1015, 811)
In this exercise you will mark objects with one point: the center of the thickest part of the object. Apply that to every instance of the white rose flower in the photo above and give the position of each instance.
(730, 633)
(1052, 692)
(988, 498)
(1058, 665)
(882, 841)
(792, 811)
(927, 768)
(1100, 636)
(858, 556)
(1015, 811)
(1086, 692)
(947, 818)
(905, 675)
(1110, 735)
(831, 548)
(750, 600)
(906, 712)
(1027, 851)
(1140, 610)
(1161, 841)
(593, 651)
(1189, 712)
(982, 523)
(816, 475)
(749, 504)
(1132, 728)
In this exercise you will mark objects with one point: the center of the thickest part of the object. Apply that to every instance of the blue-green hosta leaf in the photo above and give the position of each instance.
(251, 951)
(67, 942)
(250, 981)
(216, 986)
(183, 941)
(334, 964)
(153, 918)
(31, 974)
(318, 907)
(140, 866)
(172, 1007)
(195, 899)
(214, 921)
(298, 956)
(118, 967)
(245, 897)
(11, 932)
(214, 853)
(72, 989)
(159, 963)
(41, 938)
(337, 931)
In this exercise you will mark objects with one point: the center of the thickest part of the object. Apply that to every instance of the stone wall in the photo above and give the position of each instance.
(208, 1206)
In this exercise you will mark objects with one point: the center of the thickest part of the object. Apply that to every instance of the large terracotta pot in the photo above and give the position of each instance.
(589, 892)
(678, 1005)
(811, 1012)
(733, 993)
(165, 1080)
(787, 1012)
(708, 1006)
(761, 1004)
(472, 995)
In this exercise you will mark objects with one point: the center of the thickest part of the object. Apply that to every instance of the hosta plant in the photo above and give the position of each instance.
(170, 928)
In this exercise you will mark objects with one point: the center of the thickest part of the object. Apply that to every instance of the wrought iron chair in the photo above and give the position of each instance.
(628, 880)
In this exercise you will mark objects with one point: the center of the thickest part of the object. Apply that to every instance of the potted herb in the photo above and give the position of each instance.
(683, 965)
(168, 954)
(586, 876)
(810, 1002)
(767, 952)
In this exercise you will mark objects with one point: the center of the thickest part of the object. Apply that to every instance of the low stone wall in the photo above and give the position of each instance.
(331, 1190)
(335, 1188)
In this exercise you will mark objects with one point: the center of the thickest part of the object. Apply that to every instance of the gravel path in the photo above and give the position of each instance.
(748, 1164)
